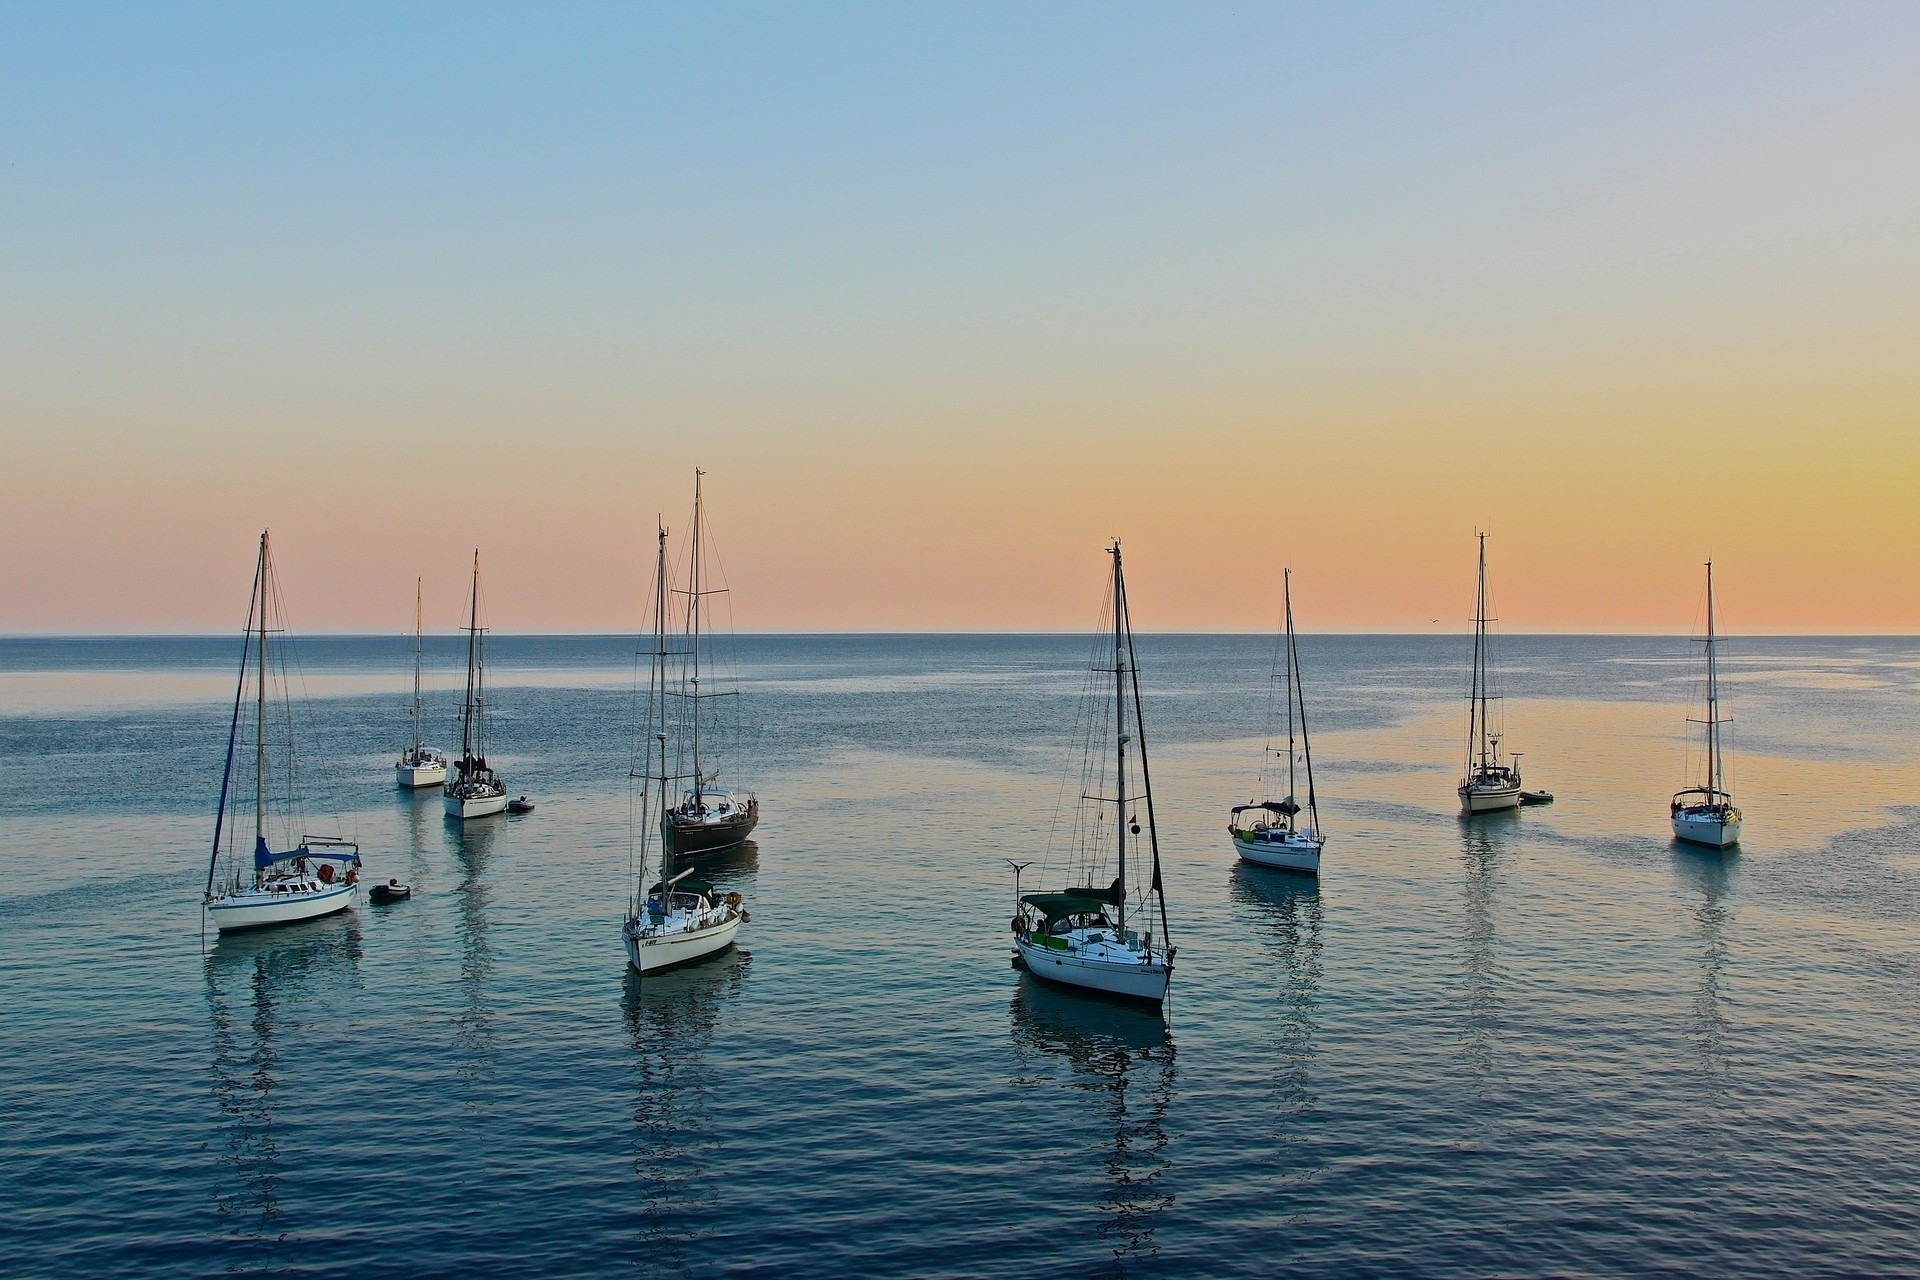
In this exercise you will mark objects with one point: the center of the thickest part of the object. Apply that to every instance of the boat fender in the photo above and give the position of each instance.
(1016, 924)
(1172, 952)
(746, 917)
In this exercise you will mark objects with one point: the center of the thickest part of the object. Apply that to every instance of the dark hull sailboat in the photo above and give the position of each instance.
(689, 836)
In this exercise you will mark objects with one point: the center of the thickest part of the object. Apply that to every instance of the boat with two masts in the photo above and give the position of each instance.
(1706, 814)
(1079, 936)
(678, 919)
(1268, 832)
(419, 765)
(707, 818)
(1489, 784)
(474, 790)
(308, 876)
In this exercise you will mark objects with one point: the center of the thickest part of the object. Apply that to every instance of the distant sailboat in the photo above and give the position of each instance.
(1078, 936)
(678, 919)
(475, 790)
(1706, 814)
(707, 818)
(314, 877)
(1489, 784)
(419, 765)
(1273, 836)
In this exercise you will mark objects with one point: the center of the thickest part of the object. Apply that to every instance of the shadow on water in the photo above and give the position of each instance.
(473, 1024)
(256, 983)
(1122, 1061)
(1712, 877)
(671, 1018)
(1288, 906)
(722, 870)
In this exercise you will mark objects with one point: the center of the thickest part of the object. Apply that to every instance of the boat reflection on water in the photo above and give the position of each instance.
(1289, 906)
(258, 984)
(1480, 1012)
(671, 1018)
(1122, 1062)
(1712, 878)
(473, 1021)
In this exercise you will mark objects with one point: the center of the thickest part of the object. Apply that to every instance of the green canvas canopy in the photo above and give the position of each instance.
(1058, 906)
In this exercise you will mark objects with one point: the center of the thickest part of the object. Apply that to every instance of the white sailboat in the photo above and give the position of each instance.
(1079, 936)
(419, 765)
(475, 790)
(1268, 832)
(313, 877)
(677, 920)
(1706, 814)
(707, 818)
(1489, 783)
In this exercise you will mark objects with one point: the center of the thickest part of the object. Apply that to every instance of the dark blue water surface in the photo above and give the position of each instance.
(1551, 1043)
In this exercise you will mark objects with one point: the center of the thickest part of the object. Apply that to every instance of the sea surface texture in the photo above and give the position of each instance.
(1550, 1043)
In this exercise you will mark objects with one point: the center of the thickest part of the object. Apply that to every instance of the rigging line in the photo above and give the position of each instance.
(1146, 776)
(226, 776)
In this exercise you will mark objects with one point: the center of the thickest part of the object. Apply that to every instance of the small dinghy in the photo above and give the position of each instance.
(391, 891)
(1536, 797)
(522, 805)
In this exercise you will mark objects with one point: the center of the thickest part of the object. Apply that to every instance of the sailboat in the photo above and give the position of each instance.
(1273, 836)
(1706, 814)
(707, 818)
(1079, 936)
(316, 875)
(475, 790)
(678, 919)
(419, 765)
(1489, 784)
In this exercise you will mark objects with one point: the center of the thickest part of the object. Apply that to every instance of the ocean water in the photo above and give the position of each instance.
(1549, 1043)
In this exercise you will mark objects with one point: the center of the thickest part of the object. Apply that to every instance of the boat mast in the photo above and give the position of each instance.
(699, 781)
(1286, 578)
(233, 730)
(473, 647)
(417, 616)
(1300, 699)
(260, 728)
(1157, 885)
(658, 694)
(1477, 700)
(1120, 729)
(1713, 698)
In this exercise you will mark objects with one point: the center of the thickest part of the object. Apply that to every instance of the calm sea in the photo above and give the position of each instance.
(1546, 1044)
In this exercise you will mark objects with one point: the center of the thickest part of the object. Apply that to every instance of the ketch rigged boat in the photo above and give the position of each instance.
(707, 819)
(1706, 814)
(1078, 936)
(314, 877)
(1489, 784)
(1272, 836)
(679, 919)
(475, 790)
(419, 765)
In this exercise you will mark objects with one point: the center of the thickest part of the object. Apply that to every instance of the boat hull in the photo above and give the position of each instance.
(234, 913)
(670, 951)
(464, 807)
(1707, 830)
(1146, 983)
(412, 777)
(685, 839)
(1302, 856)
(1488, 799)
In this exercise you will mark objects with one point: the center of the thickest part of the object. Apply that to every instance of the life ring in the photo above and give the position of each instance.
(733, 899)
(353, 877)
(1016, 924)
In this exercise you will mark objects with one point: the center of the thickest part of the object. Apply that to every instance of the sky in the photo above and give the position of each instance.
(943, 297)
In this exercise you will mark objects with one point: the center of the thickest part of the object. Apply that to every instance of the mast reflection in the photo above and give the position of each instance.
(473, 1023)
(1481, 1013)
(671, 1020)
(1122, 1061)
(1290, 906)
(256, 983)
(1712, 877)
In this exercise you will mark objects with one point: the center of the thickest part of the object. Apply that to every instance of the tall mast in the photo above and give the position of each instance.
(1713, 697)
(1287, 590)
(418, 586)
(1120, 729)
(1300, 699)
(658, 695)
(1477, 701)
(260, 725)
(473, 649)
(699, 781)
